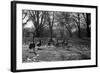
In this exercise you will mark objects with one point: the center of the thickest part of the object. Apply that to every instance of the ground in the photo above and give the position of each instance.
(77, 49)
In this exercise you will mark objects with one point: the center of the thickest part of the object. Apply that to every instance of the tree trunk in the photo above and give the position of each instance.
(79, 34)
(79, 30)
(88, 21)
(33, 36)
(37, 27)
(50, 27)
(37, 33)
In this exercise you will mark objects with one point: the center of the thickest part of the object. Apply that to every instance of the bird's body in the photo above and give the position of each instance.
(39, 43)
(31, 45)
(66, 43)
(49, 43)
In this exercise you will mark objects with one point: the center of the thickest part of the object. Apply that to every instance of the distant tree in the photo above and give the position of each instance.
(50, 20)
(25, 17)
(77, 20)
(67, 19)
(64, 20)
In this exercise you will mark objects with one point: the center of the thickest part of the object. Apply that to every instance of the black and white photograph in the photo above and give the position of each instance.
(47, 36)
(55, 36)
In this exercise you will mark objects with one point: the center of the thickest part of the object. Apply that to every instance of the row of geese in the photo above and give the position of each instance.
(39, 44)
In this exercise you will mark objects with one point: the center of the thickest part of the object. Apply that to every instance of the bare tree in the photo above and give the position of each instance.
(64, 20)
(38, 19)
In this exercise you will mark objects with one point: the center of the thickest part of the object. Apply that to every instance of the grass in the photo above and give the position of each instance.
(79, 50)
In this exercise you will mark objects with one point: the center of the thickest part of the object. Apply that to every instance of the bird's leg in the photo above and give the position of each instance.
(34, 51)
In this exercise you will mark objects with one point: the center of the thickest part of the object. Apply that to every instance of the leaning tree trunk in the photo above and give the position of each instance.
(70, 33)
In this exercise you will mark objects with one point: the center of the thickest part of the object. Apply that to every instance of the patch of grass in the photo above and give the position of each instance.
(78, 51)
